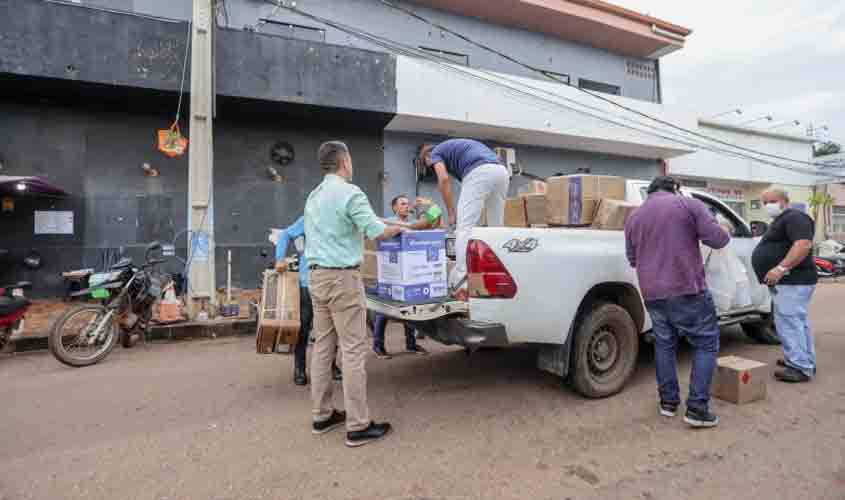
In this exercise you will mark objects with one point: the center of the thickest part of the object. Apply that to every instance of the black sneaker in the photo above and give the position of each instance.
(381, 353)
(337, 375)
(337, 419)
(299, 376)
(419, 351)
(372, 433)
(668, 409)
(791, 375)
(780, 362)
(700, 419)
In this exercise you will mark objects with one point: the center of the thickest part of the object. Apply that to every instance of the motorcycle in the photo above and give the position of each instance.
(827, 267)
(86, 334)
(13, 307)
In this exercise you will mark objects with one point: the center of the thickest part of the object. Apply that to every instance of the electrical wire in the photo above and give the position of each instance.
(595, 95)
(396, 47)
(184, 72)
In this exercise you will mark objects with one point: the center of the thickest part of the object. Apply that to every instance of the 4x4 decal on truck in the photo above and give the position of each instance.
(521, 246)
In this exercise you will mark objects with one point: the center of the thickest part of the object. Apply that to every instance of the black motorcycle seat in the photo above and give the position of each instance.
(11, 305)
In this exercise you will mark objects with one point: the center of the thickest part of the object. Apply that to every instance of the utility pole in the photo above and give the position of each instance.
(201, 273)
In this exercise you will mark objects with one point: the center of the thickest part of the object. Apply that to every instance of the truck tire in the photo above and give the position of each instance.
(604, 351)
(763, 332)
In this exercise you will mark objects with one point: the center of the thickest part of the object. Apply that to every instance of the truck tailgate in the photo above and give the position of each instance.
(435, 309)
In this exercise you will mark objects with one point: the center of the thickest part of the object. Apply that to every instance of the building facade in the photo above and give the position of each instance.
(86, 84)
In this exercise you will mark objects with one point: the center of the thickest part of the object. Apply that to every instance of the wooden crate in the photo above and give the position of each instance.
(278, 313)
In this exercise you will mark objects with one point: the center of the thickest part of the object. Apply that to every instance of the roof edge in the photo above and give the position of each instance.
(633, 15)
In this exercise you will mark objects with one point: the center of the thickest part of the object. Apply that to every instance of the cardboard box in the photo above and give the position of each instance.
(533, 187)
(278, 316)
(535, 208)
(739, 380)
(515, 213)
(482, 221)
(412, 266)
(612, 214)
(572, 200)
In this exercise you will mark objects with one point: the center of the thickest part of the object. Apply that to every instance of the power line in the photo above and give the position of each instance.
(551, 76)
(413, 52)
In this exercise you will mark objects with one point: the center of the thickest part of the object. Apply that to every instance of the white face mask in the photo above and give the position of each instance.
(773, 209)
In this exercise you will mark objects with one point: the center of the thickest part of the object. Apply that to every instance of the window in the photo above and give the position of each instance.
(738, 228)
(293, 30)
(838, 220)
(455, 57)
(605, 88)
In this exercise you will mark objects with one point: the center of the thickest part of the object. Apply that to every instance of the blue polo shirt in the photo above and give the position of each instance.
(461, 156)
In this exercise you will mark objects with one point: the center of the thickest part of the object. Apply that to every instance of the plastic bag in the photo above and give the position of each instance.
(727, 279)
(171, 142)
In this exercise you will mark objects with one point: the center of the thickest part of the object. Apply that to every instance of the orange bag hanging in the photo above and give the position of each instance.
(171, 142)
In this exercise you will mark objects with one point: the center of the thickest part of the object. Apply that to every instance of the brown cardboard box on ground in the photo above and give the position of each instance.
(612, 214)
(739, 380)
(572, 200)
(515, 213)
(535, 208)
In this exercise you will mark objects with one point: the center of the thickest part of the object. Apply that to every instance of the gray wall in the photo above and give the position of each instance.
(69, 42)
(97, 155)
(546, 52)
(399, 149)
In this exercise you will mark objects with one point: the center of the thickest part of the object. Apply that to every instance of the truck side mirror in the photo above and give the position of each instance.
(758, 228)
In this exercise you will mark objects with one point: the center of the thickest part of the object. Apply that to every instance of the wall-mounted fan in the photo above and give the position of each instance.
(282, 153)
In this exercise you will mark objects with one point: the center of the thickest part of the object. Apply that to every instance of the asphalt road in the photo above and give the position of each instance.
(213, 420)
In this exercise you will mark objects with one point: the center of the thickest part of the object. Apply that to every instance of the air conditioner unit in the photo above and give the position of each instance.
(508, 158)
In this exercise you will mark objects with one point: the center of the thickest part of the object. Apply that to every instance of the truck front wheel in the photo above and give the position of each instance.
(605, 351)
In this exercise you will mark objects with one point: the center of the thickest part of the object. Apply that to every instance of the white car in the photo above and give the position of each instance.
(572, 293)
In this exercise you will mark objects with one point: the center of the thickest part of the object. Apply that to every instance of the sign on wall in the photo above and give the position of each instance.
(53, 222)
(726, 193)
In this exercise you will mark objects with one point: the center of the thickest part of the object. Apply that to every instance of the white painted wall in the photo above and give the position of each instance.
(711, 165)
(435, 99)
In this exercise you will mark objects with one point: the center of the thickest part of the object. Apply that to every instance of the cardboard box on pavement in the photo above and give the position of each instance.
(572, 200)
(515, 213)
(739, 380)
(612, 214)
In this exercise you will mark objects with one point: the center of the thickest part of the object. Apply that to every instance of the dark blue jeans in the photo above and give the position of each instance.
(378, 334)
(692, 317)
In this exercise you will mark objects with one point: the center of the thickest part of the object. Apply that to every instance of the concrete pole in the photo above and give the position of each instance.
(201, 275)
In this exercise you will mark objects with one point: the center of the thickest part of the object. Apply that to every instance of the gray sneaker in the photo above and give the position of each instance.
(700, 419)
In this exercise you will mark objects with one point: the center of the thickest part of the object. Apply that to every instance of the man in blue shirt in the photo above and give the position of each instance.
(296, 233)
(484, 184)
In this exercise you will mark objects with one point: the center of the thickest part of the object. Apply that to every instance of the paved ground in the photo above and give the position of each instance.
(213, 420)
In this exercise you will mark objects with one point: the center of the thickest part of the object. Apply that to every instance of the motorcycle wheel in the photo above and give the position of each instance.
(68, 339)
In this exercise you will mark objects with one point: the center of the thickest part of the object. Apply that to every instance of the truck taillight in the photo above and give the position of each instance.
(487, 276)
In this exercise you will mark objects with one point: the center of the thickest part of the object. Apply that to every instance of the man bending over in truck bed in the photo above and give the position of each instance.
(484, 184)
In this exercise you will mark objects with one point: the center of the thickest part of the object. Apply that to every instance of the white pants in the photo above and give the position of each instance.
(486, 187)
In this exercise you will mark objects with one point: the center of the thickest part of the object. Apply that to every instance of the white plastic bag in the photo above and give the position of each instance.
(727, 279)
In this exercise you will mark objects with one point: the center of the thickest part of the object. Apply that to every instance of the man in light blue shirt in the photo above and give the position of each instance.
(337, 217)
(296, 233)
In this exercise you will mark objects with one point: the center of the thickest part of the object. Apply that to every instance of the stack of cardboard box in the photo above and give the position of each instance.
(571, 201)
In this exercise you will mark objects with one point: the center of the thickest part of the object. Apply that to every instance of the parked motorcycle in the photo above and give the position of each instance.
(84, 335)
(830, 267)
(13, 307)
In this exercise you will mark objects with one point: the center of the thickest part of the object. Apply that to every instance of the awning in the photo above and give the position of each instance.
(11, 185)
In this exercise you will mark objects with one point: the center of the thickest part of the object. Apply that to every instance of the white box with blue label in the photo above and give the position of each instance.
(412, 266)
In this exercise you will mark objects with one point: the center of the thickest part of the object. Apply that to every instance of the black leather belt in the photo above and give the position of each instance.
(314, 267)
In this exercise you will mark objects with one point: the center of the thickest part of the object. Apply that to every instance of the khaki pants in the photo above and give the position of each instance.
(340, 316)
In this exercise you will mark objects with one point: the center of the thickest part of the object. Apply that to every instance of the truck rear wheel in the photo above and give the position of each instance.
(604, 351)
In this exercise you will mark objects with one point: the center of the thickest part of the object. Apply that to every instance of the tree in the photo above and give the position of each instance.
(826, 148)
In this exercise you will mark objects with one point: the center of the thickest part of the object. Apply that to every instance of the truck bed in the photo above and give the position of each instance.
(437, 308)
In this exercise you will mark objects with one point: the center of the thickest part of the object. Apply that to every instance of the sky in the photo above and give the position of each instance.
(774, 57)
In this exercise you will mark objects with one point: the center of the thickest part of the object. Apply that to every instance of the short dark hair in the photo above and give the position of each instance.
(664, 183)
(330, 154)
(425, 150)
(394, 201)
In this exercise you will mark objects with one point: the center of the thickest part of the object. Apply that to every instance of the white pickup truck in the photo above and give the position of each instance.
(572, 293)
